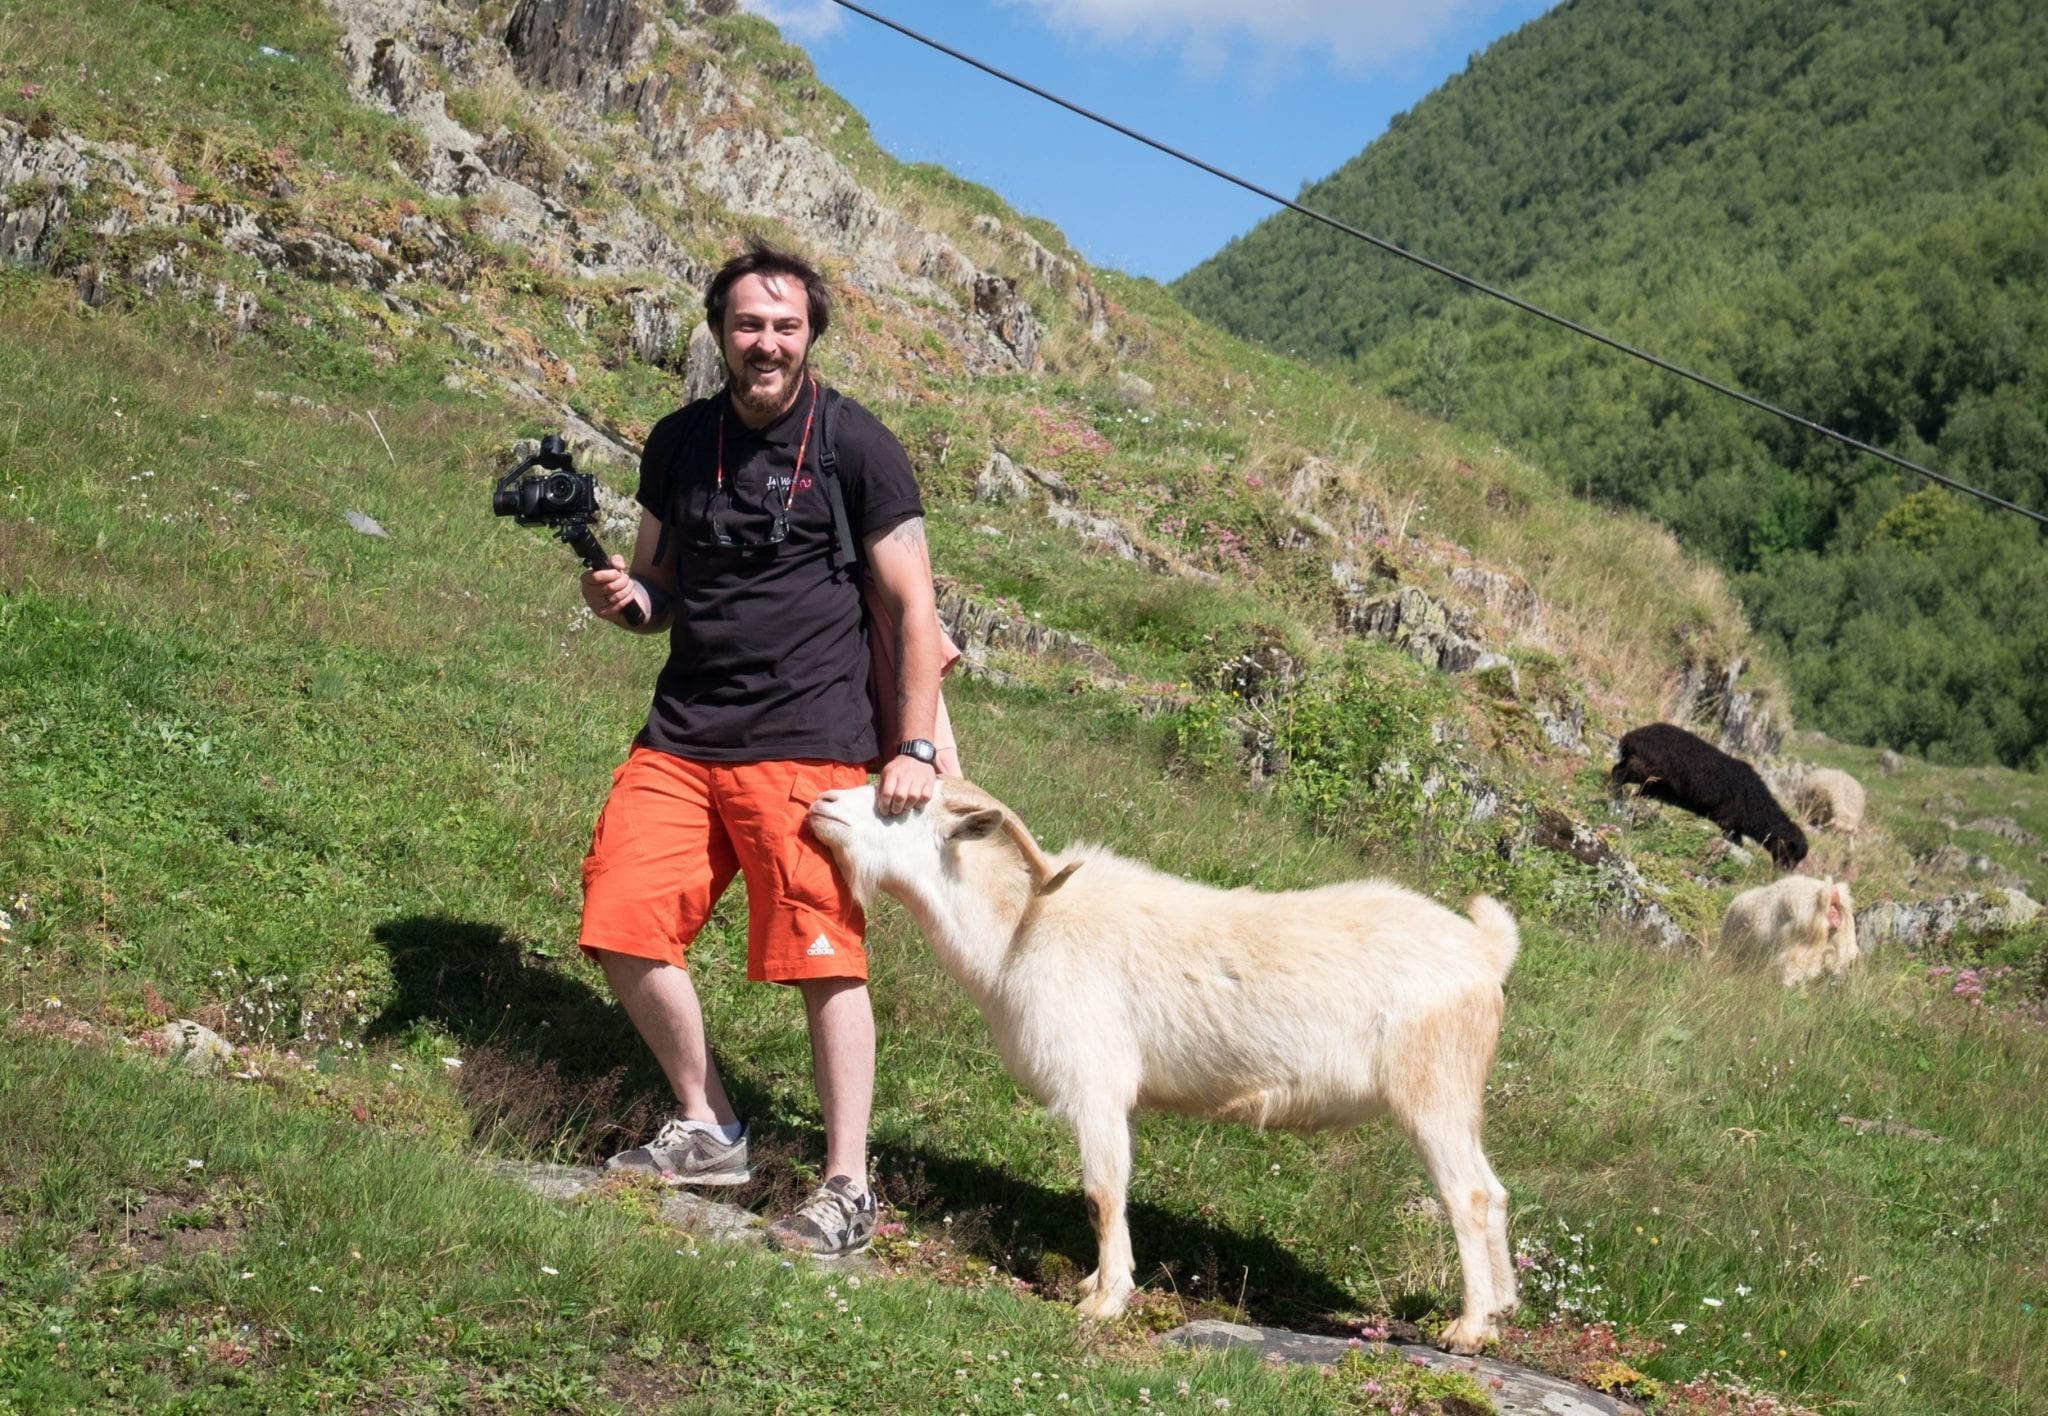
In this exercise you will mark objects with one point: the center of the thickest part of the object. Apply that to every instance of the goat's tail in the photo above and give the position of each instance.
(1498, 928)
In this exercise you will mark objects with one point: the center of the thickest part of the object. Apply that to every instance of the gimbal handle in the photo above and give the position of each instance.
(580, 539)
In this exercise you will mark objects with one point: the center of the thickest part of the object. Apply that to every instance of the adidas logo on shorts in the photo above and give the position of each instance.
(819, 947)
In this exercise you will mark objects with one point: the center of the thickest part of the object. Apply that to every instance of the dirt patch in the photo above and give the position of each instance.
(154, 1226)
(660, 1384)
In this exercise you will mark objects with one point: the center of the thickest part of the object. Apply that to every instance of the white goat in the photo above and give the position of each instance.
(1830, 797)
(1806, 927)
(1109, 986)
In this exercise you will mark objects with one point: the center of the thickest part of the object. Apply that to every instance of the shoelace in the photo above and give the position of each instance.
(672, 1133)
(827, 1205)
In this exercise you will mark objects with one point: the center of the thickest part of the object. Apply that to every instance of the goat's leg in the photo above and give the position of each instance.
(1104, 1136)
(1477, 1204)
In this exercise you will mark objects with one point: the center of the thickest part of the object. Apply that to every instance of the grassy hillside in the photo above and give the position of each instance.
(328, 791)
(1839, 208)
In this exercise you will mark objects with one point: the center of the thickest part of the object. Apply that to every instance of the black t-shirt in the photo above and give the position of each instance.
(768, 655)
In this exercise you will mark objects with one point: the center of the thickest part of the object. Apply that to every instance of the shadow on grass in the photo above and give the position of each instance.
(552, 1067)
(1042, 1235)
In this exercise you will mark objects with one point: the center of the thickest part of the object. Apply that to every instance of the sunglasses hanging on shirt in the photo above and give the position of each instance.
(722, 536)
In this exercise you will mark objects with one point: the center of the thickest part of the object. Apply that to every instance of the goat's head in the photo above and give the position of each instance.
(1787, 845)
(913, 850)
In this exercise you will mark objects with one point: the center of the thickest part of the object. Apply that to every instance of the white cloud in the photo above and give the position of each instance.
(1354, 34)
(799, 19)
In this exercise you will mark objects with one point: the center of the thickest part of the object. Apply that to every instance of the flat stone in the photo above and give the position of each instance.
(712, 1221)
(553, 1182)
(1521, 1392)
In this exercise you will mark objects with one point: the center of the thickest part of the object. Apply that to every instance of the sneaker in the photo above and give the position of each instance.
(831, 1224)
(683, 1155)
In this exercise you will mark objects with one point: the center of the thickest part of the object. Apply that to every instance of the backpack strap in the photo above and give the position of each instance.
(828, 470)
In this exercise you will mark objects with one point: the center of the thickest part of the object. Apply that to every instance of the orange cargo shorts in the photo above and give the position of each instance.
(674, 832)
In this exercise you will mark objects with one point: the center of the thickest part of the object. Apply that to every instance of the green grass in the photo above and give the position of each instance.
(176, 1245)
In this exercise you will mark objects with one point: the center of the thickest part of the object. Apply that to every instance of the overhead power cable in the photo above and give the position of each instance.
(1468, 281)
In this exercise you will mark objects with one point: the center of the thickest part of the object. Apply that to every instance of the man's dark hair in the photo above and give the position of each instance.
(761, 258)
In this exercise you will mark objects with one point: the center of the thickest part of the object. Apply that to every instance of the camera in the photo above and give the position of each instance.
(550, 497)
(560, 498)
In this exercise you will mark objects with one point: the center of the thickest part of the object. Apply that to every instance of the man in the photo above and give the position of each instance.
(761, 707)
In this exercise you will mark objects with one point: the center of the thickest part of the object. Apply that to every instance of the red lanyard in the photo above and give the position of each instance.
(803, 444)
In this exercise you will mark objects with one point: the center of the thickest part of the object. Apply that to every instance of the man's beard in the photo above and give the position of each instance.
(747, 396)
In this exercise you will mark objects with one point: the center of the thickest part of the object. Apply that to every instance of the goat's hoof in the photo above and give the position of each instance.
(1467, 1335)
(1104, 1303)
(1089, 1284)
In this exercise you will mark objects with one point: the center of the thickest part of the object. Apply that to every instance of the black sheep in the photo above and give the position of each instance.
(1671, 765)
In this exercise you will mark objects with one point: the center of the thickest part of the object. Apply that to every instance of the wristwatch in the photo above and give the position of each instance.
(919, 748)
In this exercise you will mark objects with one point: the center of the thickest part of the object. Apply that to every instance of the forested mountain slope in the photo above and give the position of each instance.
(1842, 208)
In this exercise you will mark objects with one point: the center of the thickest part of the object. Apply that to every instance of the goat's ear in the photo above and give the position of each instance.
(978, 825)
(1060, 879)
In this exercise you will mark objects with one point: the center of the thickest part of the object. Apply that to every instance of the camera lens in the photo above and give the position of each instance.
(560, 490)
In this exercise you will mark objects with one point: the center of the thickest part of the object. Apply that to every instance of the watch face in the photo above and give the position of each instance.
(921, 750)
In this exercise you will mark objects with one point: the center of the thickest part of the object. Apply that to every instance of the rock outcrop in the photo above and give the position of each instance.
(1916, 924)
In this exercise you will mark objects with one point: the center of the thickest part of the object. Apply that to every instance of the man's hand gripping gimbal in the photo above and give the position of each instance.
(561, 498)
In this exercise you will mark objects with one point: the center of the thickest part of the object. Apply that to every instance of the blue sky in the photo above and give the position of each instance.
(1280, 92)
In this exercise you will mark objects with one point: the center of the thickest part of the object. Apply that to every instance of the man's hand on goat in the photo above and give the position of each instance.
(906, 782)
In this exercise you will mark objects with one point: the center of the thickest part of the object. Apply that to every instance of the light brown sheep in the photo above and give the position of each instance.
(1805, 927)
(1832, 798)
(1110, 987)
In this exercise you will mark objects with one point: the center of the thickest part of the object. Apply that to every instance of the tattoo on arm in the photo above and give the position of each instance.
(910, 535)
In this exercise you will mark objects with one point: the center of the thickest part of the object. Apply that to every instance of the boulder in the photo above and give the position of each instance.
(1706, 693)
(703, 364)
(1001, 481)
(1009, 318)
(196, 1047)
(1915, 924)
(653, 327)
